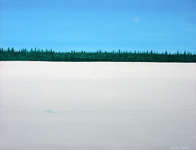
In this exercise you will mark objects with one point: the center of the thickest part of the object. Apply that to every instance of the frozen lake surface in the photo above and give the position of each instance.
(97, 106)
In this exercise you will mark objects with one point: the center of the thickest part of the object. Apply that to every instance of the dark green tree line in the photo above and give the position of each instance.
(10, 54)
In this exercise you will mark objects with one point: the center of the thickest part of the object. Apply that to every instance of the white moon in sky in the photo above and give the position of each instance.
(136, 19)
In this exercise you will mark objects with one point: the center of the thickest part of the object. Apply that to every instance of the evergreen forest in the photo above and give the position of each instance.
(10, 54)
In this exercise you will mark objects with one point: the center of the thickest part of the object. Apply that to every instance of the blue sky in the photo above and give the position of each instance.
(65, 25)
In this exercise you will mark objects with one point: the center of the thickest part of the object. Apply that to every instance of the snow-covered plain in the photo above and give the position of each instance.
(97, 106)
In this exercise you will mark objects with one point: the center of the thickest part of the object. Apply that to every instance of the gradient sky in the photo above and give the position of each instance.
(65, 25)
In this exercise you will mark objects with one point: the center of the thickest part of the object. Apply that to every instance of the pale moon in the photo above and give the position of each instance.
(136, 19)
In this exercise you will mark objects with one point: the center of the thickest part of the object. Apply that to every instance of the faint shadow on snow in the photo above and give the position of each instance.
(50, 111)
